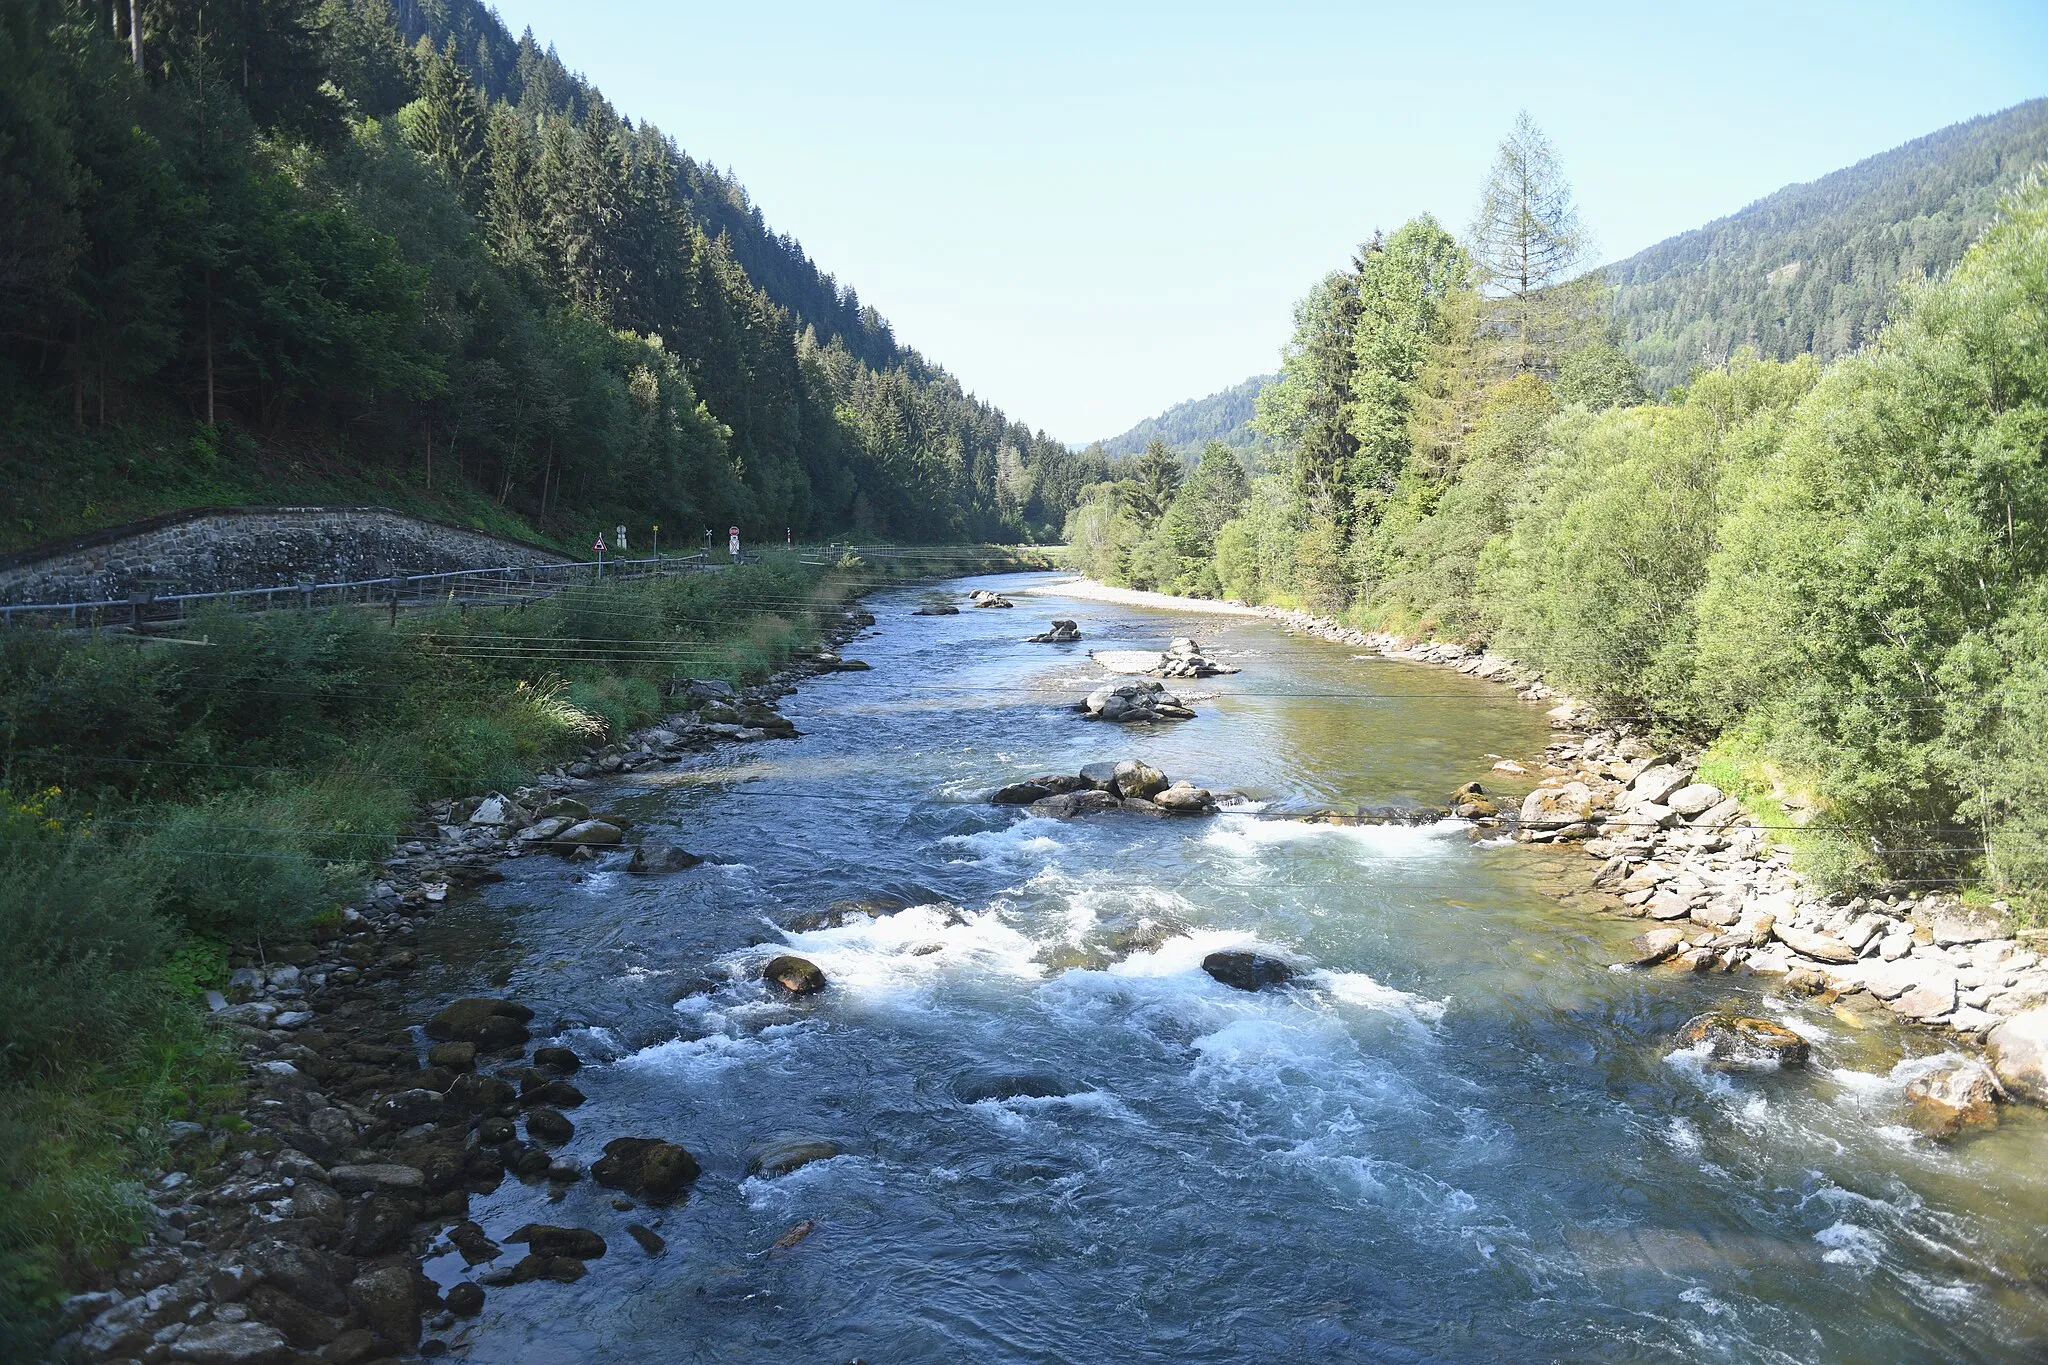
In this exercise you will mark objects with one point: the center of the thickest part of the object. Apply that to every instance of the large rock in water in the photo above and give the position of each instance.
(1956, 1093)
(652, 858)
(796, 975)
(1738, 1042)
(1062, 632)
(1247, 971)
(491, 1024)
(590, 834)
(780, 1158)
(655, 1170)
(2018, 1049)
(1022, 793)
(1184, 799)
(1138, 779)
(1557, 807)
(1070, 804)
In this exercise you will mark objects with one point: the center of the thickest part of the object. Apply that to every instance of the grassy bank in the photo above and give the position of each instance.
(162, 799)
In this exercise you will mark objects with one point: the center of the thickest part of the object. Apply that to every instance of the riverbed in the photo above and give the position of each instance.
(1461, 1136)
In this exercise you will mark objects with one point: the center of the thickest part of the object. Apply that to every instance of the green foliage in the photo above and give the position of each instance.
(1817, 268)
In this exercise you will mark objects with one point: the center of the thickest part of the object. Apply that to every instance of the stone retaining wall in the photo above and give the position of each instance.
(214, 549)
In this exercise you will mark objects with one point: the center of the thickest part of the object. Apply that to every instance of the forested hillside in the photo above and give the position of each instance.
(1187, 427)
(286, 247)
(1816, 268)
(1833, 572)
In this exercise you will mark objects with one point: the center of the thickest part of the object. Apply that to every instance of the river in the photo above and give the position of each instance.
(1462, 1138)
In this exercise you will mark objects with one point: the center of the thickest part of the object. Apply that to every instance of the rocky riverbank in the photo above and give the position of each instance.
(1721, 891)
(298, 1230)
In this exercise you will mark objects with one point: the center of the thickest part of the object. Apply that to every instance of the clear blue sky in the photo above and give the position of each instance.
(1091, 211)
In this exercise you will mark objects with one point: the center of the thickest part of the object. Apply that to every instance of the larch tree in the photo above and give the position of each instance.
(1526, 243)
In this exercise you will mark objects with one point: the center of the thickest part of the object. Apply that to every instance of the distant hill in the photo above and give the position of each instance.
(1816, 267)
(1187, 427)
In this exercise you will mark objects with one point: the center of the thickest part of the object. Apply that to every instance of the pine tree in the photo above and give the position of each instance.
(1526, 242)
(446, 123)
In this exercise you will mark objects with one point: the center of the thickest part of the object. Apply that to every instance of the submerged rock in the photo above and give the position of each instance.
(1008, 1085)
(780, 1158)
(1247, 971)
(1739, 1041)
(796, 975)
(653, 1169)
(490, 1024)
(653, 858)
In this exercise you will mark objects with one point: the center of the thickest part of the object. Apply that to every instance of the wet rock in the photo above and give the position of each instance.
(1063, 632)
(1133, 701)
(651, 1168)
(385, 1297)
(549, 1125)
(1021, 794)
(493, 1025)
(1954, 1094)
(556, 1093)
(1068, 805)
(780, 1158)
(1656, 945)
(231, 1343)
(560, 1269)
(409, 1107)
(1099, 777)
(558, 1058)
(482, 1093)
(316, 1201)
(1819, 947)
(546, 1239)
(652, 859)
(794, 975)
(2018, 1050)
(650, 1241)
(590, 834)
(474, 1244)
(376, 1224)
(937, 609)
(1008, 1085)
(1138, 780)
(1736, 1041)
(1557, 807)
(1185, 799)
(466, 1299)
(563, 808)
(389, 1178)
(1247, 971)
(453, 1056)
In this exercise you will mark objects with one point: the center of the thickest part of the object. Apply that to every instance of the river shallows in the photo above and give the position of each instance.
(1462, 1138)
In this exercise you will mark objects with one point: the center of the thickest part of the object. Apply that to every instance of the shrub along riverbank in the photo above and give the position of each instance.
(161, 798)
(1837, 576)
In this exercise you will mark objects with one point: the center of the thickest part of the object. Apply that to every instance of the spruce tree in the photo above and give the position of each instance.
(1526, 242)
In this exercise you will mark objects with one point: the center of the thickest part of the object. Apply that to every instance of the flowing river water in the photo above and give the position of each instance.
(1462, 1137)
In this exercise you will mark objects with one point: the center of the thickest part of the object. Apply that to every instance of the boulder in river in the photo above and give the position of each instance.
(937, 609)
(1100, 776)
(466, 1299)
(654, 858)
(780, 1158)
(1135, 778)
(1953, 1094)
(1063, 632)
(1656, 945)
(982, 597)
(1557, 807)
(1184, 798)
(545, 1239)
(1022, 793)
(1739, 1041)
(796, 975)
(2018, 1049)
(560, 1059)
(590, 834)
(651, 1168)
(493, 1025)
(1070, 804)
(975, 1087)
(1247, 971)
(1184, 659)
(1134, 701)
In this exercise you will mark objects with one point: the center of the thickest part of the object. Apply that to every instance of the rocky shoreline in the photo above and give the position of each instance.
(299, 1233)
(1724, 897)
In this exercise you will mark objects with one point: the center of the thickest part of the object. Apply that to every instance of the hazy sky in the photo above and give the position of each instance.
(1091, 211)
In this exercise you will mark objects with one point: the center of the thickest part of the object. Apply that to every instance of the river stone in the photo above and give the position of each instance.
(1819, 947)
(1653, 785)
(590, 834)
(1736, 1041)
(1955, 925)
(376, 1223)
(558, 1058)
(231, 1343)
(650, 1241)
(653, 858)
(549, 1125)
(1720, 815)
(780, 1158)
(454, 1056)
(1184, 799)
(1656, 945)
(1021, 794)
(1139, 779)
(1933, 997)
(388, 1178)
(1696, 799)
(466, 1299)
(490, 1024)
(563, 808)
(311, 1276)
(1956, 1093)
(795, 975)
(1009, 1085)
(1071, 804)
(1557, 807)
(649, 1167)
(1100, 776)
(540, 831)
(545, 1239)
(2018, 1050)
(385, 1298)
(1247, 971)
(473, 1242)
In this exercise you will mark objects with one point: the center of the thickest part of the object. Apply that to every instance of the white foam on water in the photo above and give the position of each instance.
(1850, 1244)
(1244, 837)
(1700, 1298)
(1027, 839)
(1684, 1136)
(1356, 988)
(915, 947)
(1181, 956)
(695, 1061)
